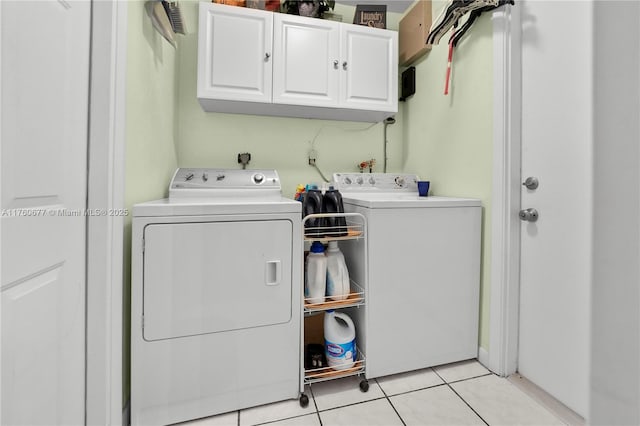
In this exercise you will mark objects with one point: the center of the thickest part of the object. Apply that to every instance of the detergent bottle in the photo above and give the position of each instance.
(332, 203)
(339, 340)
(338, 284)
(312, 204)
(315, 278)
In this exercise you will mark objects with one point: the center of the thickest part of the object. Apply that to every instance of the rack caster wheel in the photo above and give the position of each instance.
(304, 400)
(364, 385)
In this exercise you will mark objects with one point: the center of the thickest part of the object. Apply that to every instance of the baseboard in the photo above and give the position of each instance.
(483, 358)
(564, 413)
(126, 413)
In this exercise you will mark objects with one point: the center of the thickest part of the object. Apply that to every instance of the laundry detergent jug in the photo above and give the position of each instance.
(338, 284)
(339, 340)
(315, 278)
(312, 204)
(332, 203)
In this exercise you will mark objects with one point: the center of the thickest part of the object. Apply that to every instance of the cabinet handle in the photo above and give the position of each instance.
(267, 56)
(344, 65)
(335, 64)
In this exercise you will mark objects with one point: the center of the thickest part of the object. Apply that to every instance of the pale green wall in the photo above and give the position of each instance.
(150, 132)
(449, 139)
(214, 139)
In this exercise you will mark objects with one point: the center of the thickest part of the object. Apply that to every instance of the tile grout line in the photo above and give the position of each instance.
(315, 404)
(461, 398)
(468, 405)
(385, 396)
(292, 417)
(350, 405)
(470, 378)
(391, 403)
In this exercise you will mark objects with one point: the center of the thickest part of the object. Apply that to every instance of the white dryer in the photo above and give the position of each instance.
(422, 274)
(215, 298)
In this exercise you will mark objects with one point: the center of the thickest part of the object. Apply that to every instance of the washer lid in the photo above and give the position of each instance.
(405, 200)
(391, 190)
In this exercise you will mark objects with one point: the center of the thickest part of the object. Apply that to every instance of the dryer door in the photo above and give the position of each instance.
(216, 276)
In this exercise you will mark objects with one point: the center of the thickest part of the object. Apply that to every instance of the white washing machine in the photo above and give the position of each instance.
(423, 276)
(215, 297)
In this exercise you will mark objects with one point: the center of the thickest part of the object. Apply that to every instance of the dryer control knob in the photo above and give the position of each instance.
(189, 176)
(348, 180)
(359, 180)
(205, 176)
(372, 181)
(258, 178)
(400, 181)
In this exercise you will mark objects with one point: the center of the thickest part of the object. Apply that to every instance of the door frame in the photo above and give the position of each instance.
(105, 181)
(502, 357)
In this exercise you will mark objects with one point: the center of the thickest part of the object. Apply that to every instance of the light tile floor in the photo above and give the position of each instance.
(463, 393)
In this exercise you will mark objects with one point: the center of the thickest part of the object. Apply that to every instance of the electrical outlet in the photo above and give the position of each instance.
(312, 157)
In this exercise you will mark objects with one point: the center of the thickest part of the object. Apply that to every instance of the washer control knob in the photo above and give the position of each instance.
(348, 180)
(205, 176)
(189, 176)
(372, 181)
(400, 181)
(258, 178)
(359, 180)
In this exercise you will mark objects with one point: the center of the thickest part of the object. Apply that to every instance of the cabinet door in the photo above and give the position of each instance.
(234, 53)
(369, 68)
(306, 61)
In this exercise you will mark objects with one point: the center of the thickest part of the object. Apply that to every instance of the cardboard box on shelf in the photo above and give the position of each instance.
(413, 32)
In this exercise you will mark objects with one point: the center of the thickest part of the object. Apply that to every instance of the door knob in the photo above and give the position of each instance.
(531, 182)
(529, 215)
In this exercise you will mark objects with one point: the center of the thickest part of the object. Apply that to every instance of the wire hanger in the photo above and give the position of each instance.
(457, 34)
(473, 15)
(451, 14)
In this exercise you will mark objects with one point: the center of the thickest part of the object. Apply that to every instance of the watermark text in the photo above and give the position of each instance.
(62, 212)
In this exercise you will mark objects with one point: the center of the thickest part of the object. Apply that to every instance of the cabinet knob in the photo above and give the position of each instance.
(344, 65)
(267, 56)
(335, 64)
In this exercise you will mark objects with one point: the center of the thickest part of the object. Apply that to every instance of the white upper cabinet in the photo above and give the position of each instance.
(369, 68)
(305, 51)
(256, 62)
(234, 53)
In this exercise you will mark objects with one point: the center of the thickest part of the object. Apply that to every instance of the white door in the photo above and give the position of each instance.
(234, 53)
(557, 98)
(369, 68)
(306, 61)
(44, 77)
